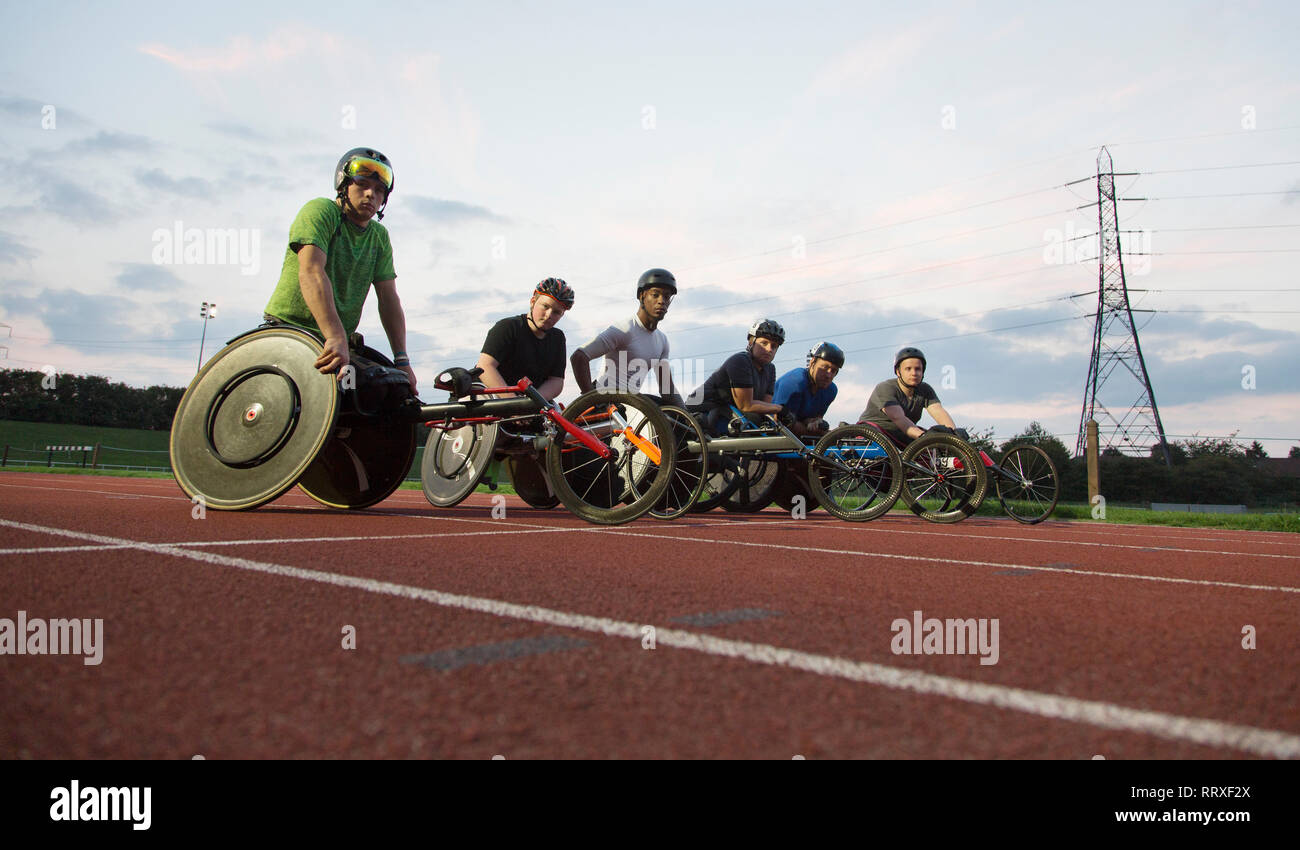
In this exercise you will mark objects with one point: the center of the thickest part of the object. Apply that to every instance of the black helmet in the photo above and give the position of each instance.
(830, 352)
(557, 289)
(656, 277)
(768, 328)
(364, 161)
(907, 353)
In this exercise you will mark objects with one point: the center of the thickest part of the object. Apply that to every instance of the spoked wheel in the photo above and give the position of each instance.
(1027, 484)
(253, 420)
(756, 479)
(638, 471)
(944, 479)
(455, 461)
(530, 483)
(691, 469)
(872, 482)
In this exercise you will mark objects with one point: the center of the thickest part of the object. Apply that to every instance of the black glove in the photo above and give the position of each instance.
(786, 417)
(940, 429)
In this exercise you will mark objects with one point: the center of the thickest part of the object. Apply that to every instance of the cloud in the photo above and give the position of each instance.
(26, 109)
(77, 317)
(146, 276)
(190, 187)
(1294, 197)
(12, 250)
(242, 53)
(241, 131)
(441, 211)
(105, 142)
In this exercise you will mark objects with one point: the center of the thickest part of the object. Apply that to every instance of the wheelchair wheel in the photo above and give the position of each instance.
(362, 465)
(873, 481)
(718, 484)
(791, 484)
(690, 470)
(944, 479)
(1027, 484)
(756, 479)
(530, 483)
(592, 487)
(253, 420)
(455, 461)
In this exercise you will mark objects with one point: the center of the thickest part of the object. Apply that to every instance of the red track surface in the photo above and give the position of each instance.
(223, 635)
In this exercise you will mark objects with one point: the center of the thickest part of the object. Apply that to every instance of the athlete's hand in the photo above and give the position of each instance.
(335, 355)
(410, 376)
(786, 417)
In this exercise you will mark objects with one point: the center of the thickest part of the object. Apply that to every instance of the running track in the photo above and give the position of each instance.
(525, 636)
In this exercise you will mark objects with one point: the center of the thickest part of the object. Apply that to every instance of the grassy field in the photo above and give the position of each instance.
(120, 447)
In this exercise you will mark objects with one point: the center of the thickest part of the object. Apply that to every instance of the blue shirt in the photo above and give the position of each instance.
(795, 390)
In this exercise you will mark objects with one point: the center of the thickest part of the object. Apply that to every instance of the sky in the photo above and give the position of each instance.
(873, 174)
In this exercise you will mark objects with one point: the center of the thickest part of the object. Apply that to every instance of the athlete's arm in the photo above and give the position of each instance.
(393, 319)
(940, 415)
(581, 364)
(551, 387)
(491, 377)
(900, 420)
(743, 398)
(318, 292)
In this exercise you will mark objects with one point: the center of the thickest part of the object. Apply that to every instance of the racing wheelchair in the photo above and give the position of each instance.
(853, 472)
(946, 479)
(260, 418)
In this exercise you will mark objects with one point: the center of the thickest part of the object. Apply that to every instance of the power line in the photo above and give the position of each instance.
(1223, 167)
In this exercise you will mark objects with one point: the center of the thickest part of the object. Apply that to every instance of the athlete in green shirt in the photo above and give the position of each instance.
(335, 254)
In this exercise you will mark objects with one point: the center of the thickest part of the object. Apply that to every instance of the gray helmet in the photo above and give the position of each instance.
(656, 277)
(907, 353)
(768, 328)
(830, 352)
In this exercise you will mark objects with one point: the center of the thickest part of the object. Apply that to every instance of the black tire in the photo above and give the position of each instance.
(362, 465)
(792, 483)
(756, 481)
(690, 469)
(944, 479)
(1027, 484)
(874, 482)
(530, 482)
(593, 488)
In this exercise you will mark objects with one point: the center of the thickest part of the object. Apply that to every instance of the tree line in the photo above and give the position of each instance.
(31, 396)
(1205, 470)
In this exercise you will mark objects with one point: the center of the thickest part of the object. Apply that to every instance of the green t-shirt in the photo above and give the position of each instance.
(354, 259)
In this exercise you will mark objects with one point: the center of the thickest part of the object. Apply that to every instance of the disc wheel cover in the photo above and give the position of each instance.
(253, 420)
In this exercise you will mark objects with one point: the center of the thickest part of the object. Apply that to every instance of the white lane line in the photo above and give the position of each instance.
(863, 528)
(1214, 733)
(959, 561)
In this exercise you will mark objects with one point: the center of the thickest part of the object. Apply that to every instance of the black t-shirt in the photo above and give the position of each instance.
(737, 372)
(518, 353)
(889, 392)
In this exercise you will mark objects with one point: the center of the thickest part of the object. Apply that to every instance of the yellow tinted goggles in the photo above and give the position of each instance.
(363, 167)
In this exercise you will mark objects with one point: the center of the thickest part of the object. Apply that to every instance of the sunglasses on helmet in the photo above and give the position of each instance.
(363, 167)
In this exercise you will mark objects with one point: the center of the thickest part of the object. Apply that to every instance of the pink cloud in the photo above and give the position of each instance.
(242, 53)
